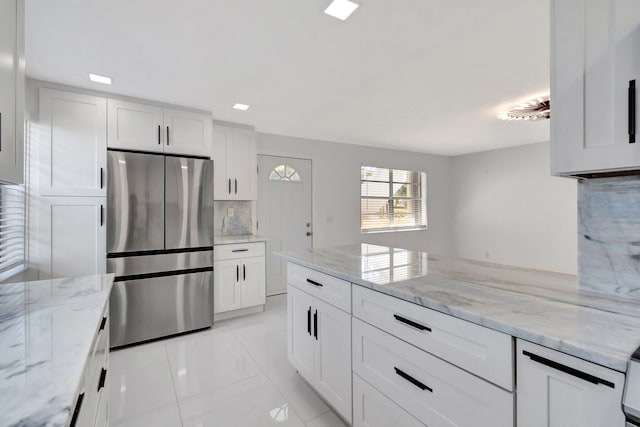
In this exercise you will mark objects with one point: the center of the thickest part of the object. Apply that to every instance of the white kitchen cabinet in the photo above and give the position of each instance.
(319, 347)
(12, 91)
(373, 409)
(555, 389)
(135, 126)
(235, 163)
(143, 127)
(72, 144)
(72, 238)
(239, 277)
(593, 62)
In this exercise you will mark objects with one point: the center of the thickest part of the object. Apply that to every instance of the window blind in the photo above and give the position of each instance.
(12, 226)
(392, 199)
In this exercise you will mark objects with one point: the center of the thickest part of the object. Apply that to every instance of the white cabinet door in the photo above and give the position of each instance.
(252, 281)
(226, 295)
(555, 389)
(11, 90)
(235, 163)
(187, 132)
(73, 144)
(300, 341)
(222, 181)
(73, 238)
(135, 126)
(244, 164)
(332, 360)
(373, 409)
(594, 58)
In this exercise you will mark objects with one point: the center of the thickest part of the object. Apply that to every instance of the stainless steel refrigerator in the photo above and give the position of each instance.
(159, 244)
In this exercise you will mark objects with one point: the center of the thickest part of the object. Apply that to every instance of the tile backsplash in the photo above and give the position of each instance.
(240, 223)
(609, 235)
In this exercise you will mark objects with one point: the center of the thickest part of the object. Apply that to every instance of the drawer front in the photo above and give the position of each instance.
(238, 250)
(373, 409)
(479, 350)
(329, 289)
(435, 392)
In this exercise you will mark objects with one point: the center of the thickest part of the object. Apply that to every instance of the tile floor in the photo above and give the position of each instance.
(235, 374)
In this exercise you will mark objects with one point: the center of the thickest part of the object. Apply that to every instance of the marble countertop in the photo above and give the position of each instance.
(541, 307)
(46, 331)
(242, 238)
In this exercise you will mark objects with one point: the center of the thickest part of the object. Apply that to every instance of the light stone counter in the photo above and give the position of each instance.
(46, 331)
(542, 307)
(241, 238)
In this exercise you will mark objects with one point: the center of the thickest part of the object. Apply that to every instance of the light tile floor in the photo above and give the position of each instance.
(235, 374)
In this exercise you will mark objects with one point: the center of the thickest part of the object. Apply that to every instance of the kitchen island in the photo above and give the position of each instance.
(457, 333)
(54, 351)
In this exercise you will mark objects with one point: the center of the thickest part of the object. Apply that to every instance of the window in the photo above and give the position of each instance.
(392, 199)
(12, 230)
(284, 173)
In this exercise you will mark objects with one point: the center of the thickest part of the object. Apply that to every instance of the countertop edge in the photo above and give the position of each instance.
(553, 343)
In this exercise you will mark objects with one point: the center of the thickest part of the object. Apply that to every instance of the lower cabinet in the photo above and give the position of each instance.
(239, 277)
(555, 389)
(318, 346)
(373, 409)
(91, 407)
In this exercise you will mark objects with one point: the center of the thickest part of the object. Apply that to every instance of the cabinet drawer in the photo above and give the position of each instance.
(373, 409)
(435, 392)
(479, 350)
(238, 250)
(332, 290)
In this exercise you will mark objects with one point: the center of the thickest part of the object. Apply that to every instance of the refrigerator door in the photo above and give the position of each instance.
(135, 202)
(189, 203)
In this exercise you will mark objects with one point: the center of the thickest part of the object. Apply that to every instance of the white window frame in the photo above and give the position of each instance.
(422, 199)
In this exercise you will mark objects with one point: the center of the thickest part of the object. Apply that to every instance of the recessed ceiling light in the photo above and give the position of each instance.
(241, 107)
(99, 79)
(341, 9)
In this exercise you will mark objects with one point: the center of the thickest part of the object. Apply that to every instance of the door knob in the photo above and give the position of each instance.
(309, 233)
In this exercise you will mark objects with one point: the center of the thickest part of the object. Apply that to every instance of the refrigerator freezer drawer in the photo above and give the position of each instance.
(146, 264)
(146, 309)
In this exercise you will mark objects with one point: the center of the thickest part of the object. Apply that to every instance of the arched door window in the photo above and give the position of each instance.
(284, 173)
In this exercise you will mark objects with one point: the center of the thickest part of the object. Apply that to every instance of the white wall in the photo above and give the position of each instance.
(336, 191)
(507, 208)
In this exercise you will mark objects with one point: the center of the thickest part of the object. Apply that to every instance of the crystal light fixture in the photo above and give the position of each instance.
(537, 108)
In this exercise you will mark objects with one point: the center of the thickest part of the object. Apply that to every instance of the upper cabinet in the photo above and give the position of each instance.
(143, 127)
(235, 163)
(73, 144)
(595, 69)
(12, 92)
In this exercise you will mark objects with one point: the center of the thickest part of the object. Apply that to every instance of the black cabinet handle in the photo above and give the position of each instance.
(237, 273)
(244, 272)
(568, 370)
(76, 410)
(239, 250)
(159, 133)
(632, 111)
(314, 283)
(167, 135)
(412, 380)
(102, 324)
(315, 325)
(229, 185)
(309, 321)
(103, 378)
(411, 323)
(101, 177)
(101, 215)
(236, 184)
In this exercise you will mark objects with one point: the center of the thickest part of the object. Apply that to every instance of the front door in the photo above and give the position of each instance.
(284, 212)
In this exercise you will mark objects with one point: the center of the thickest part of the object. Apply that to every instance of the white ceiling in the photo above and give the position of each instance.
(421, 75)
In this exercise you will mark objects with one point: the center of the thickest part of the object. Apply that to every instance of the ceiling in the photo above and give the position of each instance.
(420, 75)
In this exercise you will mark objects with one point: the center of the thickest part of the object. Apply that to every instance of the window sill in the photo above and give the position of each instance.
(393, 230)
(7, 275)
